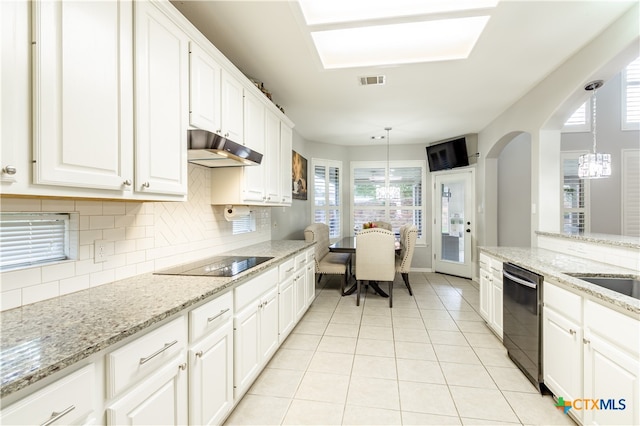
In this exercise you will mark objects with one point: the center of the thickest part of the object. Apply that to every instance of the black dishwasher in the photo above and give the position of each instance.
(522, 320)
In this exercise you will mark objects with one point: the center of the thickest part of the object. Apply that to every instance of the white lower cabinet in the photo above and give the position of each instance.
(70, 400)
(310, 280)
(255, 327)
(286, 305)
(160, 399)
(491, 292)
(591, 357)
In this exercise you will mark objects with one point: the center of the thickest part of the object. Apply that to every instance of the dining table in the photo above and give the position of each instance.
(348, 245)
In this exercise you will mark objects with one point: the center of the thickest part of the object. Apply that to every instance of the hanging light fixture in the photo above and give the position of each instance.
(594, 165)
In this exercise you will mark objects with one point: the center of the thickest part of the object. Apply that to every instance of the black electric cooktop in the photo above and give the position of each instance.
(219, 266)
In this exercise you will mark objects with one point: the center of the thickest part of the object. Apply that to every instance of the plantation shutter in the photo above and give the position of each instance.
(32, 239)
(631, 94)
(327, 196)
(631, 193)
(574, 198)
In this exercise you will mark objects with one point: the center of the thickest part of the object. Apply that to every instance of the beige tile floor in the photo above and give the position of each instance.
(430, 360)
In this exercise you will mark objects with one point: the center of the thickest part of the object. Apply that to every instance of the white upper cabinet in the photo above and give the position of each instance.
(162, 102)
(271, 159)
(232, 94)
(204, 88)
(286, 145)
(254, 131)
(82, 111)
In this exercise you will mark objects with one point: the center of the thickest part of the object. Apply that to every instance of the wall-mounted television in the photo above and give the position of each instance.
(448, 155)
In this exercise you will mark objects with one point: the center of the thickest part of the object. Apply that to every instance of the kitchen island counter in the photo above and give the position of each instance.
(42, 338)
(556, 266)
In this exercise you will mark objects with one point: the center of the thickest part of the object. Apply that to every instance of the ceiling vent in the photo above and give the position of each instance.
(375, 80)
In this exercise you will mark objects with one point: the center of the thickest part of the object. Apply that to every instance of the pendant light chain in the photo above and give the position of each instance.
(593, 117)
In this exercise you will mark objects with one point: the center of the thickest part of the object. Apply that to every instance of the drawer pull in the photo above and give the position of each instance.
(218, 315)
(572, 331)
(586, 341)
(290, 269)
(57, 416)
(183, 366)
(199, 354)
(158, 352)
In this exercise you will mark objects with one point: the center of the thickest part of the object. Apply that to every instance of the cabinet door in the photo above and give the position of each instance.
(204, 90)
(496, 311)
(232, 108)
(286, 144)
(246, 353)
(300, 284)
(271, 161)
(83, 87)
(269, 325)
(160, 399)
(15, 102)
(310, 281)
(562, 342)
(254, 131)
(286, 306)
(485, 294)
(162, 102)
(613, 376)
(211, 377)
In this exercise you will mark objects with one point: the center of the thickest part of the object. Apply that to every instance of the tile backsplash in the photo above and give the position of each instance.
(138, 237)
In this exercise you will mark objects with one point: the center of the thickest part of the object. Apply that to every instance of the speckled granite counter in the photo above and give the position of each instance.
(40, 339)
(556, 266)
(604, 239)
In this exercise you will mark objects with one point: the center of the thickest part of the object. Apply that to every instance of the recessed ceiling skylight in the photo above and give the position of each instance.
(333, 11)
(406, 43)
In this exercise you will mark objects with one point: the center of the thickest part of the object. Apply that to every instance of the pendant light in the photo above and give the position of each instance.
(594, 165)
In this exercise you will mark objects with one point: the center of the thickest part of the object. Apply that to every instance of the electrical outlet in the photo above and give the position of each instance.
(100, 251)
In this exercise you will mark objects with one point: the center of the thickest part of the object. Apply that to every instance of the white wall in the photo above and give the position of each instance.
(606, 197)
(144, 237)
(514, 193)
(541, 113)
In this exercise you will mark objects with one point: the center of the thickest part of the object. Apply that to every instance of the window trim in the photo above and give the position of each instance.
(624, 124)
(326, 163)
(571, 155)
(422, 164)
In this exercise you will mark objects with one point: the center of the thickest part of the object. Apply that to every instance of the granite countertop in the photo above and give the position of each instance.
(555, 266)
(605, 239)
(40, 339)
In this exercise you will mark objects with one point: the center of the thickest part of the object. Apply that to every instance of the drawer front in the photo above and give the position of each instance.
(311, 254)
(562, 301)
(485, 261)
(301, 260)
(210, 316)
(69, 400)
(616, 327)
(286, 269)
(143, 356)
(249, 291)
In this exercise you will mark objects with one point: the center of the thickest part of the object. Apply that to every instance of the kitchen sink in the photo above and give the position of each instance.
(626, 286)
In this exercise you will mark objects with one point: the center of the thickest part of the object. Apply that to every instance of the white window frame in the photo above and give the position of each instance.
(319, 162)
(583, 127)
(422, 164)
(627, 125)
(573, 155)
(629, 178)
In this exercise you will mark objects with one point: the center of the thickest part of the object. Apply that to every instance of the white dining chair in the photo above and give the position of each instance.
(408, 237)
(375, 259)
(327, 262)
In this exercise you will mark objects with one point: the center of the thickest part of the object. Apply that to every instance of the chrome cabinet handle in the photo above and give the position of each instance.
(9, 170)
(146, 185)
(290, 269)
(55, 416)
(127, 182)
(572, 331)
(218, 315)
(586, 341)
(226, 135)
(158, 352)
(183, 366)
(199, 354)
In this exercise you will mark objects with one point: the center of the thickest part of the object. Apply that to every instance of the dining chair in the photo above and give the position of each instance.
(327, 262)
(375, 258)
(383, 225)
(408, 237)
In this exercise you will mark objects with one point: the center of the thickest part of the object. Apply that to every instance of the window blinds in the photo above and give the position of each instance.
(327, 197)
(631, 94)
(29, 239)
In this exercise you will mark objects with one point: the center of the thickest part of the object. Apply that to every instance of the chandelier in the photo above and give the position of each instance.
(594, 165)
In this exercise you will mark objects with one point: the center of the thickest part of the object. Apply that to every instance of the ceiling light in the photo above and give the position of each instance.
(318, 12)
(594, 165)
(414, 42)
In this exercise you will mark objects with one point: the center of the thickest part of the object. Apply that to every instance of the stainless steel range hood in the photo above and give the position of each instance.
(212, 150)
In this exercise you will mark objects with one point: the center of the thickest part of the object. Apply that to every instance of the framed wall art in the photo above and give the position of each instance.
(298, 177)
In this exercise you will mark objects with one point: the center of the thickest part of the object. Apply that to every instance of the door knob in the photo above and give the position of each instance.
(468, 230)
(10, 170)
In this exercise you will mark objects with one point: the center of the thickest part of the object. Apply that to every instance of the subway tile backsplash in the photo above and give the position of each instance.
(139, 237)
